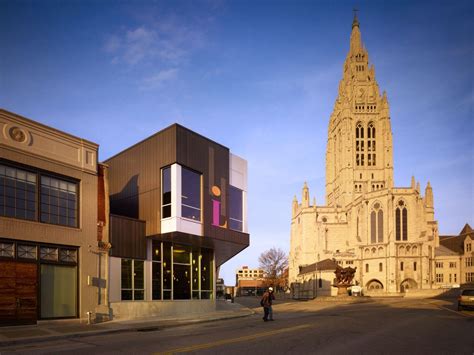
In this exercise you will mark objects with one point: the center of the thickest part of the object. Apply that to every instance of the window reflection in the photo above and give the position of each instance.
(133, 285)
(166, 193)
(190, 194)
(235, 209)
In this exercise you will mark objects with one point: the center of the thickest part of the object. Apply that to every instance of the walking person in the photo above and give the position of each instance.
(266, 302)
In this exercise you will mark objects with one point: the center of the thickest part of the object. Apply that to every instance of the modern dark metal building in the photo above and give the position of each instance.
(179, 211)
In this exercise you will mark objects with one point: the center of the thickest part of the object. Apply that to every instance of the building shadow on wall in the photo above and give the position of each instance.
(125, 202)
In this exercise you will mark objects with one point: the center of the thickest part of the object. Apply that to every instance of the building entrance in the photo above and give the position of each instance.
(18, 293)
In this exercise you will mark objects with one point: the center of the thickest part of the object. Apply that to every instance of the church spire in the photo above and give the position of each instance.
(355, 22)
(356, 41)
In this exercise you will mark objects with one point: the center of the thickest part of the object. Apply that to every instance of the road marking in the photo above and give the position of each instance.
(450, 310)
(233, 340)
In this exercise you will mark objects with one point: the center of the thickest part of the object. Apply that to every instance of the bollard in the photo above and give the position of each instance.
(89, 317)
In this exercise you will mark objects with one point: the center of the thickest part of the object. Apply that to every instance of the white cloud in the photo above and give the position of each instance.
(164, 41)
(157, 80)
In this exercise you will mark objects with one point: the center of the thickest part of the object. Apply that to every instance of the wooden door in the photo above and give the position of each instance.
(18, 293)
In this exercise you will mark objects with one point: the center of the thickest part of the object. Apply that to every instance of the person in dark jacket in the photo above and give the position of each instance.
(266, 302)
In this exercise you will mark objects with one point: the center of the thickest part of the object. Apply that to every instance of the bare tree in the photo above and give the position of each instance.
(273, 262)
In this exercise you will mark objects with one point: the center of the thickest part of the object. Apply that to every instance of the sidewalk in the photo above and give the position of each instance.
(61, 329)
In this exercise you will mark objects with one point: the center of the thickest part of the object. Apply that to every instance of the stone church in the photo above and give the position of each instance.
(389, 233)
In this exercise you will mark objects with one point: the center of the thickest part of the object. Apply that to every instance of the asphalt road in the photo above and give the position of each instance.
(383, 326)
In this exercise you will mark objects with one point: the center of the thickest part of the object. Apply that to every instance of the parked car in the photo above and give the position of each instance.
(356, 291)
(466, 299)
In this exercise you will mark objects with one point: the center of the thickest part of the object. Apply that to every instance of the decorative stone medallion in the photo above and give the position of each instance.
(17, 134)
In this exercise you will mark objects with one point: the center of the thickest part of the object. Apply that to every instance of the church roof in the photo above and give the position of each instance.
(444, 251)
(323, 265)
(456, 242)
(467, 229)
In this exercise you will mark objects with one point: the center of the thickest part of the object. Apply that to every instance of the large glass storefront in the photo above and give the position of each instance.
(181, 272)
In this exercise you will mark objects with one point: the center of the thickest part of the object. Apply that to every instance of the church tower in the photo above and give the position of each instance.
(359, 146)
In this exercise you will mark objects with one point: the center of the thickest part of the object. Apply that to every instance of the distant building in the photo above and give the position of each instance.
(454, 262)
(249, 281)
(220, 288)
(316, 280)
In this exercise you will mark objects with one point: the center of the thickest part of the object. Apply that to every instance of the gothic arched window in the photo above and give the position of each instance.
(376, 224)
(359, 144)
(371, 144)
(401, 221)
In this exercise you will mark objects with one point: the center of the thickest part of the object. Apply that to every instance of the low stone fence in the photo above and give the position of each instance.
(432, 293)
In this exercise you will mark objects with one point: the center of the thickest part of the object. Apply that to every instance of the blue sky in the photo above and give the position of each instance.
(260, 77)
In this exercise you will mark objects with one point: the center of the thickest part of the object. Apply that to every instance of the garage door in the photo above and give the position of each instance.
(18, 293)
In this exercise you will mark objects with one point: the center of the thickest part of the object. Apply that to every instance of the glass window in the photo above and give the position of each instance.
(181, 282)
(166, 193)
(397, 224)
(195, 273)
(58, 291)
(405, 224)
(380, 225)
(156, 280)
(58, 201)
(190, 194)
(181, 272)
(156, 251)
(132, 286)
(206, 273)
(17, 193)
(126, 279)
(373, 228)
(138, 280)
(167, 276)
(181, 254)
(235, 209)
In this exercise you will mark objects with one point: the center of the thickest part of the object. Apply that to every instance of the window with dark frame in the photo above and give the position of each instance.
(190, 194)
(166, 192)
(18, 195)
(58, 201)
(132, 280)
(156, 270)
(376, 224)
(236, 208)
(180, 272)
(401, 222)
(58, 198)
